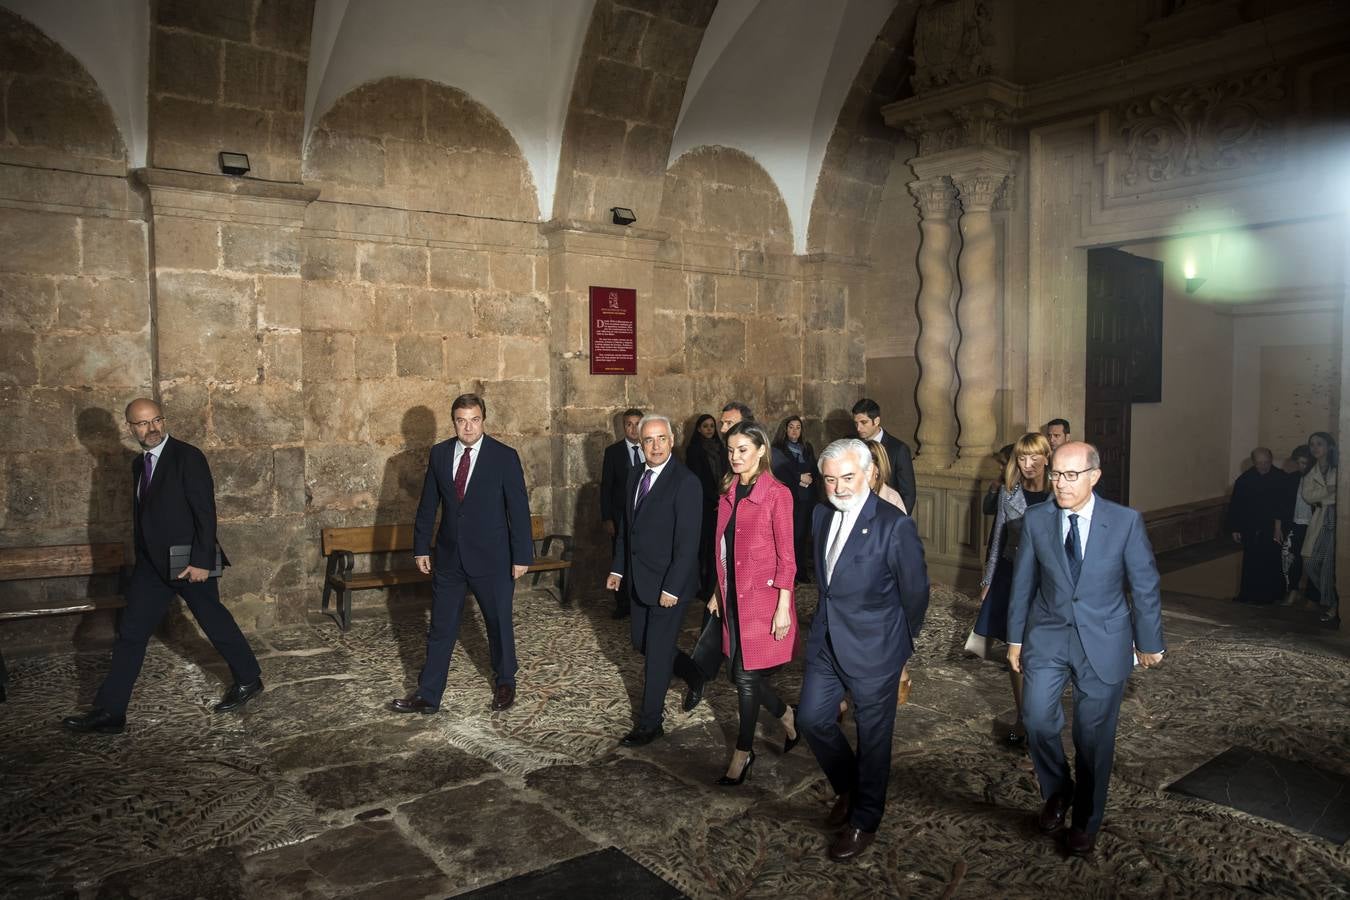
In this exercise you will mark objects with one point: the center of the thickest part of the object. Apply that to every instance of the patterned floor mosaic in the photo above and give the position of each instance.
(317, 791)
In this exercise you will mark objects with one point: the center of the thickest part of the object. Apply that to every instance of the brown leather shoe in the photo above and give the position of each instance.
(1079, 843)
(1053, 812)
(503, 697)
(838, 815)
(412, 704)
(851, 842)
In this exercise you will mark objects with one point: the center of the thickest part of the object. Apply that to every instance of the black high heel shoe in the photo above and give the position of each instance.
(739, 780)
(790, 742)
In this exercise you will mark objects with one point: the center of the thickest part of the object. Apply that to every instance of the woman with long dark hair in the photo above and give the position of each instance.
(755, 570)
(794, 464)
(705, 457)
(1318, 490)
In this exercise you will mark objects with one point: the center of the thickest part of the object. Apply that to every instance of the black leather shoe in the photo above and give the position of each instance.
(412, 704)
(851, 842)
(238, 695)
(1053, 812)
(641, 737)
(98, 720)
(503, 697)
(727, 781)
(693, 695)
(1079, 843)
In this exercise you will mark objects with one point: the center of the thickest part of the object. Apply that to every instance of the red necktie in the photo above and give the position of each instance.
(462, 474)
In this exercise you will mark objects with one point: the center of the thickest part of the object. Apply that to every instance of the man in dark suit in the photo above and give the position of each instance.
(1068, 618)
(483, 545)
(657, 554)
(873, 599)
(867, 422)
(175, 505)
(621, 458)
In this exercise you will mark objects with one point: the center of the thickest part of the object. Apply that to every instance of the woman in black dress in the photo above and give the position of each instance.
(794, 464)
(1024, 485)
(706, 457)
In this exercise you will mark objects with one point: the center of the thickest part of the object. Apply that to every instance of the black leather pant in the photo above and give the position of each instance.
(753, 691)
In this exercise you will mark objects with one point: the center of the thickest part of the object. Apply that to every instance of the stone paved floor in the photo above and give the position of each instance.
(317, 791)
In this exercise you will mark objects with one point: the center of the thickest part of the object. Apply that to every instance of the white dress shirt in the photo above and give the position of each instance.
(1084, 524)
(845, 520)
(656, 473)
(631, 446)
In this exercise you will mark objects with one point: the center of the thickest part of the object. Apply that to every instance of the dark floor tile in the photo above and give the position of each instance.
(391, 779)
(489, 831)
(601, 875)
(1282, 790)
(359, 858)
(361, 743)
(214, 874)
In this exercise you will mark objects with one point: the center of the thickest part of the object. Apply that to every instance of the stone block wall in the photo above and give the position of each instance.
(229, 75)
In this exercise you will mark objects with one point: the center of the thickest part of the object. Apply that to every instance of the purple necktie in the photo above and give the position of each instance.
(643, 486)
(146, 471)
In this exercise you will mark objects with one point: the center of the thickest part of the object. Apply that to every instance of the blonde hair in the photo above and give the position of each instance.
(1033, 443)
(881, 465)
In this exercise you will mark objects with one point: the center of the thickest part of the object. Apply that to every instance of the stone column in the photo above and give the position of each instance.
(937, 324)
(978, 356)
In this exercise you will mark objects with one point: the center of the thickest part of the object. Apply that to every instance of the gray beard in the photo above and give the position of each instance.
(851, 503)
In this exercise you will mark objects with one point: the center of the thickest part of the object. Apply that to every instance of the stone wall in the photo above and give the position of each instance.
(75, 321)
(229, 75)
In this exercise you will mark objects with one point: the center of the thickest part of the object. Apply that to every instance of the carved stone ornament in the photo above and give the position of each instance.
(952, 39)
(1200, 130)
(935, 197)
(969, 125)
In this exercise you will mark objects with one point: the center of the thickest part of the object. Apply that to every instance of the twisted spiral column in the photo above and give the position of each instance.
(937, 325)
(977, 314)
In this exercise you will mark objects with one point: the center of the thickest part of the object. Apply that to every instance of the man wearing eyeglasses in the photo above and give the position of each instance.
(175, 505)
(1068, 618)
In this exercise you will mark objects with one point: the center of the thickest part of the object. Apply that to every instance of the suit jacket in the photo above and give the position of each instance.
(490, 530)
(902, 468)
(178, 508)
(1108, 625)
(657, 548)
(765, 563)
(873, 607)
(613, 480)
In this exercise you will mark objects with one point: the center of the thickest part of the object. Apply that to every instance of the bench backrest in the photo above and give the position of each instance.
(18, 563)
(393, 538)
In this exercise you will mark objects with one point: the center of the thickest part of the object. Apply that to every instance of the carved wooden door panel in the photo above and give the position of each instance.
(1124, 356)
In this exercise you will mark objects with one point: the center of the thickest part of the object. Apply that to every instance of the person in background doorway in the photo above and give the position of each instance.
(1254, 511)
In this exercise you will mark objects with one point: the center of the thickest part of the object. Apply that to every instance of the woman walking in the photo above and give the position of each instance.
(1319, 545)
(755, 569)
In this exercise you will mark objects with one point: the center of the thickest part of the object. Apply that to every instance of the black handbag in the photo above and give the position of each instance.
(180, 557)
(707, 653)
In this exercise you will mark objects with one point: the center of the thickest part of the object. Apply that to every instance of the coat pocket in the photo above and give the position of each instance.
(1118, 623)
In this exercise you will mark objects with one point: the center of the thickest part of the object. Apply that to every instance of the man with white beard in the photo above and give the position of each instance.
(873, 597)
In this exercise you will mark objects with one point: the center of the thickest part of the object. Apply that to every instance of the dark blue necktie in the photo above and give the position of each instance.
(1073, 548)
(637, 457)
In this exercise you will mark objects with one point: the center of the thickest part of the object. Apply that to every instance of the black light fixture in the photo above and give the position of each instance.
(233, 163)
(623, 215)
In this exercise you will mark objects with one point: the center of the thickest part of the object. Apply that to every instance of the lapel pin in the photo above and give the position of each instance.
(864, 531)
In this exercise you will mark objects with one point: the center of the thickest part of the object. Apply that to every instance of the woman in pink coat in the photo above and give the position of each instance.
(755, 570)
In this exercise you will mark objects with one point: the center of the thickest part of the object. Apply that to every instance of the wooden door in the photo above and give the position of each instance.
(1124, 356)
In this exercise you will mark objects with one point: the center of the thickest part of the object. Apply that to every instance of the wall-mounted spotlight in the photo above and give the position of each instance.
(1192, 282)
(233, 163)
(623, 215)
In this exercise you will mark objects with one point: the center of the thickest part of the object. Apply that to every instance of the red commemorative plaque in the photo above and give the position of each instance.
(613, 331)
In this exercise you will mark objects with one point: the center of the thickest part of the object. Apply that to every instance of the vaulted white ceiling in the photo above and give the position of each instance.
(770, 79)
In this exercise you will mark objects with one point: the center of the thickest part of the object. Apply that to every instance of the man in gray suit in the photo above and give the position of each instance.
(1068, 618)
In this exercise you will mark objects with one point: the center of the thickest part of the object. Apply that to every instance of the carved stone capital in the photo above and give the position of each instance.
(978, 189)
(935, 197)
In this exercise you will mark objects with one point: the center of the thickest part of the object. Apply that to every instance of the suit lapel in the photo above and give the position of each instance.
(660, 485)
(1102, 513)
(157, 474)
(1057, 540)
(476, 464)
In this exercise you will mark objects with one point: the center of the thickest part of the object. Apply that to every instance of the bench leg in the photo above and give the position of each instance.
(345, 614)
(327, 595)
(563, 584)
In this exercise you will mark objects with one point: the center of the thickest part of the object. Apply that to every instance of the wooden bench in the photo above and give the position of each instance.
(64, 561)
(341, 546)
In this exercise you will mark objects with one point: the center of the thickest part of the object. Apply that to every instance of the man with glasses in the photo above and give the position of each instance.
(656, 552)
(175, 506)
(1068, 611)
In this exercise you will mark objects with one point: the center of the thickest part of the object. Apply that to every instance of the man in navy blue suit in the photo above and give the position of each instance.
(873, 598)
(1069, 620)
(484, 544)
(656, 552)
